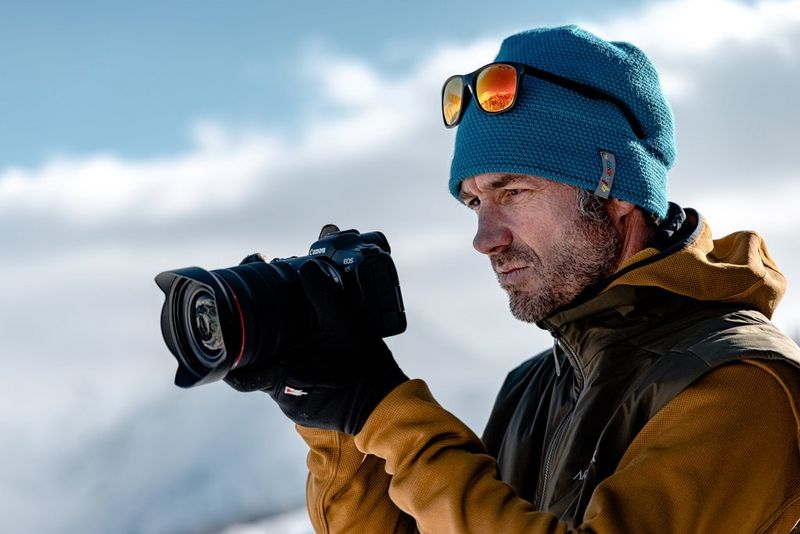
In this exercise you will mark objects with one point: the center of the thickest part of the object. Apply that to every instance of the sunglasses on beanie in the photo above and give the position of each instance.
(495, 88)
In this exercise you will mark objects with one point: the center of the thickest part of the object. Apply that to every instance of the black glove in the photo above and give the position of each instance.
(338, 376)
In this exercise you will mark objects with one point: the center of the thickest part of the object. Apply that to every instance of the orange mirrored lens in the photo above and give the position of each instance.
(451, 99)
(496, 87)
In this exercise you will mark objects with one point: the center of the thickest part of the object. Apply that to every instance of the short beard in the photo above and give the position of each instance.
(588, 251)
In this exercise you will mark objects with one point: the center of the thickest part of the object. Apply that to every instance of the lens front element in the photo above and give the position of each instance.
(496, 87)
(202, 325)
(207, 321)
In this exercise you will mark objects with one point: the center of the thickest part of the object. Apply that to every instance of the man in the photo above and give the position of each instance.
(668, 403)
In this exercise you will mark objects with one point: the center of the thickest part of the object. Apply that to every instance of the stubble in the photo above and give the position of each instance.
(587, 251)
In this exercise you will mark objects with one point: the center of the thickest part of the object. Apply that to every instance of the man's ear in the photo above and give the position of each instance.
(632, 226)
(619, 211)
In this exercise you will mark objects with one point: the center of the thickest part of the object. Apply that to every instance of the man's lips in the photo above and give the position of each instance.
(511, 274)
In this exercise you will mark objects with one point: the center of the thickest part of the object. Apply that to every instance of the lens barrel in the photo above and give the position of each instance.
(217, 321)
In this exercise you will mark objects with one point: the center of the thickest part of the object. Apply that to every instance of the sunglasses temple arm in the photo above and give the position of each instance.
(590, 92)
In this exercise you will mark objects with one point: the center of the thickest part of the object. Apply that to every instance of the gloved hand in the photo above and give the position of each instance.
(338, 376)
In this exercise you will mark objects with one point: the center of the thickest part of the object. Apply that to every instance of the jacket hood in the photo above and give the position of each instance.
(734, 269)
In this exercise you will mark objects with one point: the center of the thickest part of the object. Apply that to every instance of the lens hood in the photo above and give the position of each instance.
(196, 364)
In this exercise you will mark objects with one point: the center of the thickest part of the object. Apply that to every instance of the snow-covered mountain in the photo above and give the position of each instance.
(293, 522)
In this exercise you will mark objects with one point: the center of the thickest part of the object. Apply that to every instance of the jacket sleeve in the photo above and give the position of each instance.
(346, 490)
(723, 456)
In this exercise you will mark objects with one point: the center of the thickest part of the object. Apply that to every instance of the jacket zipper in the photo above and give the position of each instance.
(555, 356)
(551, 448)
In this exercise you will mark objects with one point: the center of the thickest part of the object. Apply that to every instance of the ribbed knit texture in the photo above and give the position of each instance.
(557, 133)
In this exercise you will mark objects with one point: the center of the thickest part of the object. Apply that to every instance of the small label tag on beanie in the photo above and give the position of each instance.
(609, 163)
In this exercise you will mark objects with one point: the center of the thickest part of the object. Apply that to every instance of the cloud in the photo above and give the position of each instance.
(215, 175)
(687, 29)
(683, 36)
(225, 167)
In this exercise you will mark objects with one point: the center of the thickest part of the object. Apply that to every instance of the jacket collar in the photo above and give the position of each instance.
(672, 234)
(684, 265)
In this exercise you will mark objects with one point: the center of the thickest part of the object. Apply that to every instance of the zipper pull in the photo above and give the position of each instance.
(555, 356)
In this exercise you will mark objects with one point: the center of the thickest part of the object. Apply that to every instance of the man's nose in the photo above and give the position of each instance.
(492, 235)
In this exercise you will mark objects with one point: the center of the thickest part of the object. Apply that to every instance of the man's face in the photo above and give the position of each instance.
(544, 251)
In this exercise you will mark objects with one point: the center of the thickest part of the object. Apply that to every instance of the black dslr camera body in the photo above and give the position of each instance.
(217, 321)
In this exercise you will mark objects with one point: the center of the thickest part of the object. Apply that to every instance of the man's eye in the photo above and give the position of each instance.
(509, 194)
(473, 203)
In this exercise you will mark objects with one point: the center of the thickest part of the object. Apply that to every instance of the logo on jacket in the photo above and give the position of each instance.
(584, 473)
(289, 390)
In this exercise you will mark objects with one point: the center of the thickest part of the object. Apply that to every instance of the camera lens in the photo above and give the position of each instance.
(202, 323)
(206, 319)
(216, 321)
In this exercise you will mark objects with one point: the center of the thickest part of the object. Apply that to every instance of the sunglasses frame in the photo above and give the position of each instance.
(468, 82)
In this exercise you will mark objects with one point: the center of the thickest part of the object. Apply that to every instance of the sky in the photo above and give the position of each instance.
(137, 138)
(98, 76)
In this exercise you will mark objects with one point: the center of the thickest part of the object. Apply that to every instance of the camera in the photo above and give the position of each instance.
(225, 319)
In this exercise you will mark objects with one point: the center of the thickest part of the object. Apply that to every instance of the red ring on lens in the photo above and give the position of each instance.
(241, 323)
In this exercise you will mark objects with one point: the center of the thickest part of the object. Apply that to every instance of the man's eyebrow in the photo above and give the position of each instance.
(501, 181)
(506, 179)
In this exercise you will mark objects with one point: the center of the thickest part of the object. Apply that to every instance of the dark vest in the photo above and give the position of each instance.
(557, 435)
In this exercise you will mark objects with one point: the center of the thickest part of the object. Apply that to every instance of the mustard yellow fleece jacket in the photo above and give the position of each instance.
(722, 456)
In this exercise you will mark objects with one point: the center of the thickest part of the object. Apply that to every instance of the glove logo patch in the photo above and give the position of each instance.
(288, 390)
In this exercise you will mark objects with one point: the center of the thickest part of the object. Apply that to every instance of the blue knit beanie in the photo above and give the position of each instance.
(557, 133)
